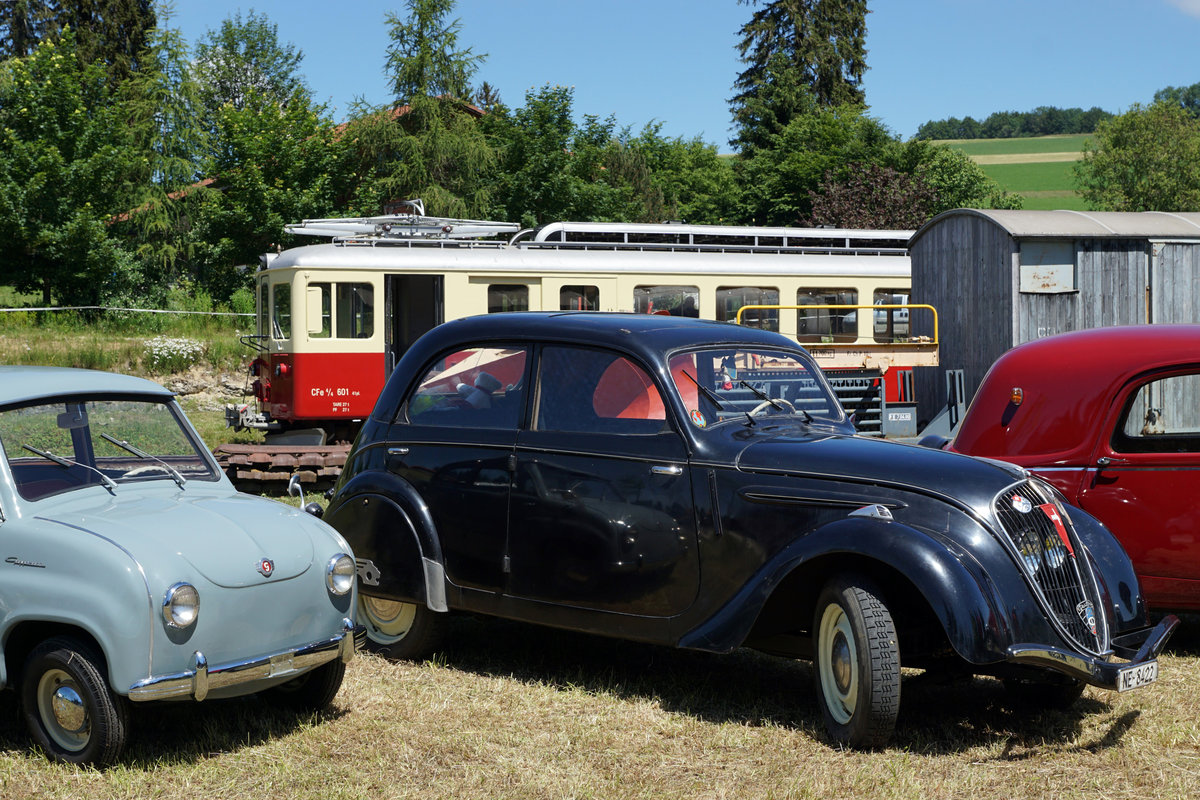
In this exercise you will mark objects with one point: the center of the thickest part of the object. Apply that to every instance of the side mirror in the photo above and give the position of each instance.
(293, 487)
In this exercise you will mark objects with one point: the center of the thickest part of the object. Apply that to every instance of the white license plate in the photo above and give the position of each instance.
(1137, 677)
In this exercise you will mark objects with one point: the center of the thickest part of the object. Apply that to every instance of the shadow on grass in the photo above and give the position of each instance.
(750, 688)
(1185, 641)
(180, 732)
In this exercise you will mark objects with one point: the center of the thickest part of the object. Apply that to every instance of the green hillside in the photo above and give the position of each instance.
(1040, 169)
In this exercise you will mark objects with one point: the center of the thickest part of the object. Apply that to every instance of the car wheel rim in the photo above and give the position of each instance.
(838, 664)
(387, 621)
(63, 711)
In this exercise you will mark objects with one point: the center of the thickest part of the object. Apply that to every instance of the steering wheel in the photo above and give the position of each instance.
(773, 403)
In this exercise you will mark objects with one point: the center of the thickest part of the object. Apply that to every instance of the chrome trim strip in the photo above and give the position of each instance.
(204, 678)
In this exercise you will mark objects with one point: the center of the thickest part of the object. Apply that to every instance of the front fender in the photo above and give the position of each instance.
(959, 592)
(388, 525)
(71, 578)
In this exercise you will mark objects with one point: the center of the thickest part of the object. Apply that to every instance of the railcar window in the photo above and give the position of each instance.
(594, 391)
(732, 298)
(824, 324)
(1161, 417)
(891, 324)
(476, 387)
(578, 298)
(321, 328)
(507, 297)
(677, 301)
(355, 311)
(281, 311)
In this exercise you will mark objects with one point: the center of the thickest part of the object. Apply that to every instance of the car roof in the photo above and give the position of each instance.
(1068, 381)
(645, 333)
(647, 336)
(23, 384)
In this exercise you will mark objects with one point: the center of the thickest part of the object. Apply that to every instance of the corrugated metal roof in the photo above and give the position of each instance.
(1083, 224)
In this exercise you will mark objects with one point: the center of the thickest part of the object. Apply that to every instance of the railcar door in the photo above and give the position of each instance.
(1144, 480)
(413, 304)
(601, 511)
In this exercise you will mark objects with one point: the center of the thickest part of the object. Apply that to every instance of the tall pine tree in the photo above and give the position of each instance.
(428, 143)
(799, 54)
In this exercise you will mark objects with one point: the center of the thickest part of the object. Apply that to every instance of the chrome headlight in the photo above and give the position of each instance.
(181, 605)
(339, 574)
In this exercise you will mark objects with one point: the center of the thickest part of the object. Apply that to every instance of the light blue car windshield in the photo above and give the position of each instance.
(57, 447)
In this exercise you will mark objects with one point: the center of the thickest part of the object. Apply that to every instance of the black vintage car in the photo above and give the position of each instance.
(696, 484)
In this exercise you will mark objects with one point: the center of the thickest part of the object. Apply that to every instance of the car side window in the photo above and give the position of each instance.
(595, 391)
(474, 387)
(1163, 416)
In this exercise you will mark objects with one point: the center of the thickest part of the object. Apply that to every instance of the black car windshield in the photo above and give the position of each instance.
(745, 383)
(59, 446)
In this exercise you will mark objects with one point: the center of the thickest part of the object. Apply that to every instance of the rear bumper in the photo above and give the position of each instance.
(1094, 670)
(203, 678)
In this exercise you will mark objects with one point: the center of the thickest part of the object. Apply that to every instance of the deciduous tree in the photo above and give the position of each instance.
(244, 57)
(1147, 159)
(69, 165)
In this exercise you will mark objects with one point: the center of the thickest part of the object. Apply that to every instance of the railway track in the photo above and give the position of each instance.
(261, 468)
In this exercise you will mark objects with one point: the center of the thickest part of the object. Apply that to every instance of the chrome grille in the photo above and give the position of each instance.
(1051, 562)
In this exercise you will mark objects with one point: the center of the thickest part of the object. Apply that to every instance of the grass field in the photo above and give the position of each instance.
(513, 711)
(1039, 168)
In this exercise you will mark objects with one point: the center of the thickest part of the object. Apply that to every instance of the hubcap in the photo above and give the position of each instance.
(387, 621)
(63, 711)
(840, 658)
(837, 663)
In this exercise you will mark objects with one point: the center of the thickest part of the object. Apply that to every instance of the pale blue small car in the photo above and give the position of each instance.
(131, 570)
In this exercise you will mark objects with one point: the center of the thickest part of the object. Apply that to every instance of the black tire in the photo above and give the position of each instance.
(314, 690)
(67, 705)
(1052, 691)
(398, 630)
(856, 663)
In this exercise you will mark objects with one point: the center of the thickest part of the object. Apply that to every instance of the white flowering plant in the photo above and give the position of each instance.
(169, 354)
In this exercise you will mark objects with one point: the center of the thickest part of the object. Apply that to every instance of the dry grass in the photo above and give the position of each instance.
(509, 711)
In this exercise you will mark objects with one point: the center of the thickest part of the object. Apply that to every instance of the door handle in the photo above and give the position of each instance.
(1105, 461)
(666, 469)
(395, 458)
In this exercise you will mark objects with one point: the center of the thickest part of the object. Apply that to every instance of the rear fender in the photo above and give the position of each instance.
(957, 590)
(395, 543)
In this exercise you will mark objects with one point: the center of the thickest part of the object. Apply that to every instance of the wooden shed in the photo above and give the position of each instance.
(1001, 278)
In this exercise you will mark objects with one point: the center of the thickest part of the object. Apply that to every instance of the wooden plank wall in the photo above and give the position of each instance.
(1111, 278)
(963, 268)
(1175, 283)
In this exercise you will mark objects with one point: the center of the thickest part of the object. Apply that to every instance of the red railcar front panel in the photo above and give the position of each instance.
(318, 386)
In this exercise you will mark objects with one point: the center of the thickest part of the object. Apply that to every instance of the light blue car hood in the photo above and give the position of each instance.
(223, 538)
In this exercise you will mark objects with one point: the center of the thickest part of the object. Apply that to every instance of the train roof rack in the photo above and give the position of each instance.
(401, 226)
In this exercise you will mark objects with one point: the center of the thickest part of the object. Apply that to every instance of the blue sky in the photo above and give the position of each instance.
(674, 61)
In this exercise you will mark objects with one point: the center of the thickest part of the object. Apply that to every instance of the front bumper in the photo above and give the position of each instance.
(204, 677)
(1099, 671)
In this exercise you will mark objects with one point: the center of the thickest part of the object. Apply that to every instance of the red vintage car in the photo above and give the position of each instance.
(1111, 417)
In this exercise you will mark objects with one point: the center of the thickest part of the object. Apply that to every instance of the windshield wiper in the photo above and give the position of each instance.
(712, 396)
(68, 463)
(775, 403)
(174, 473)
